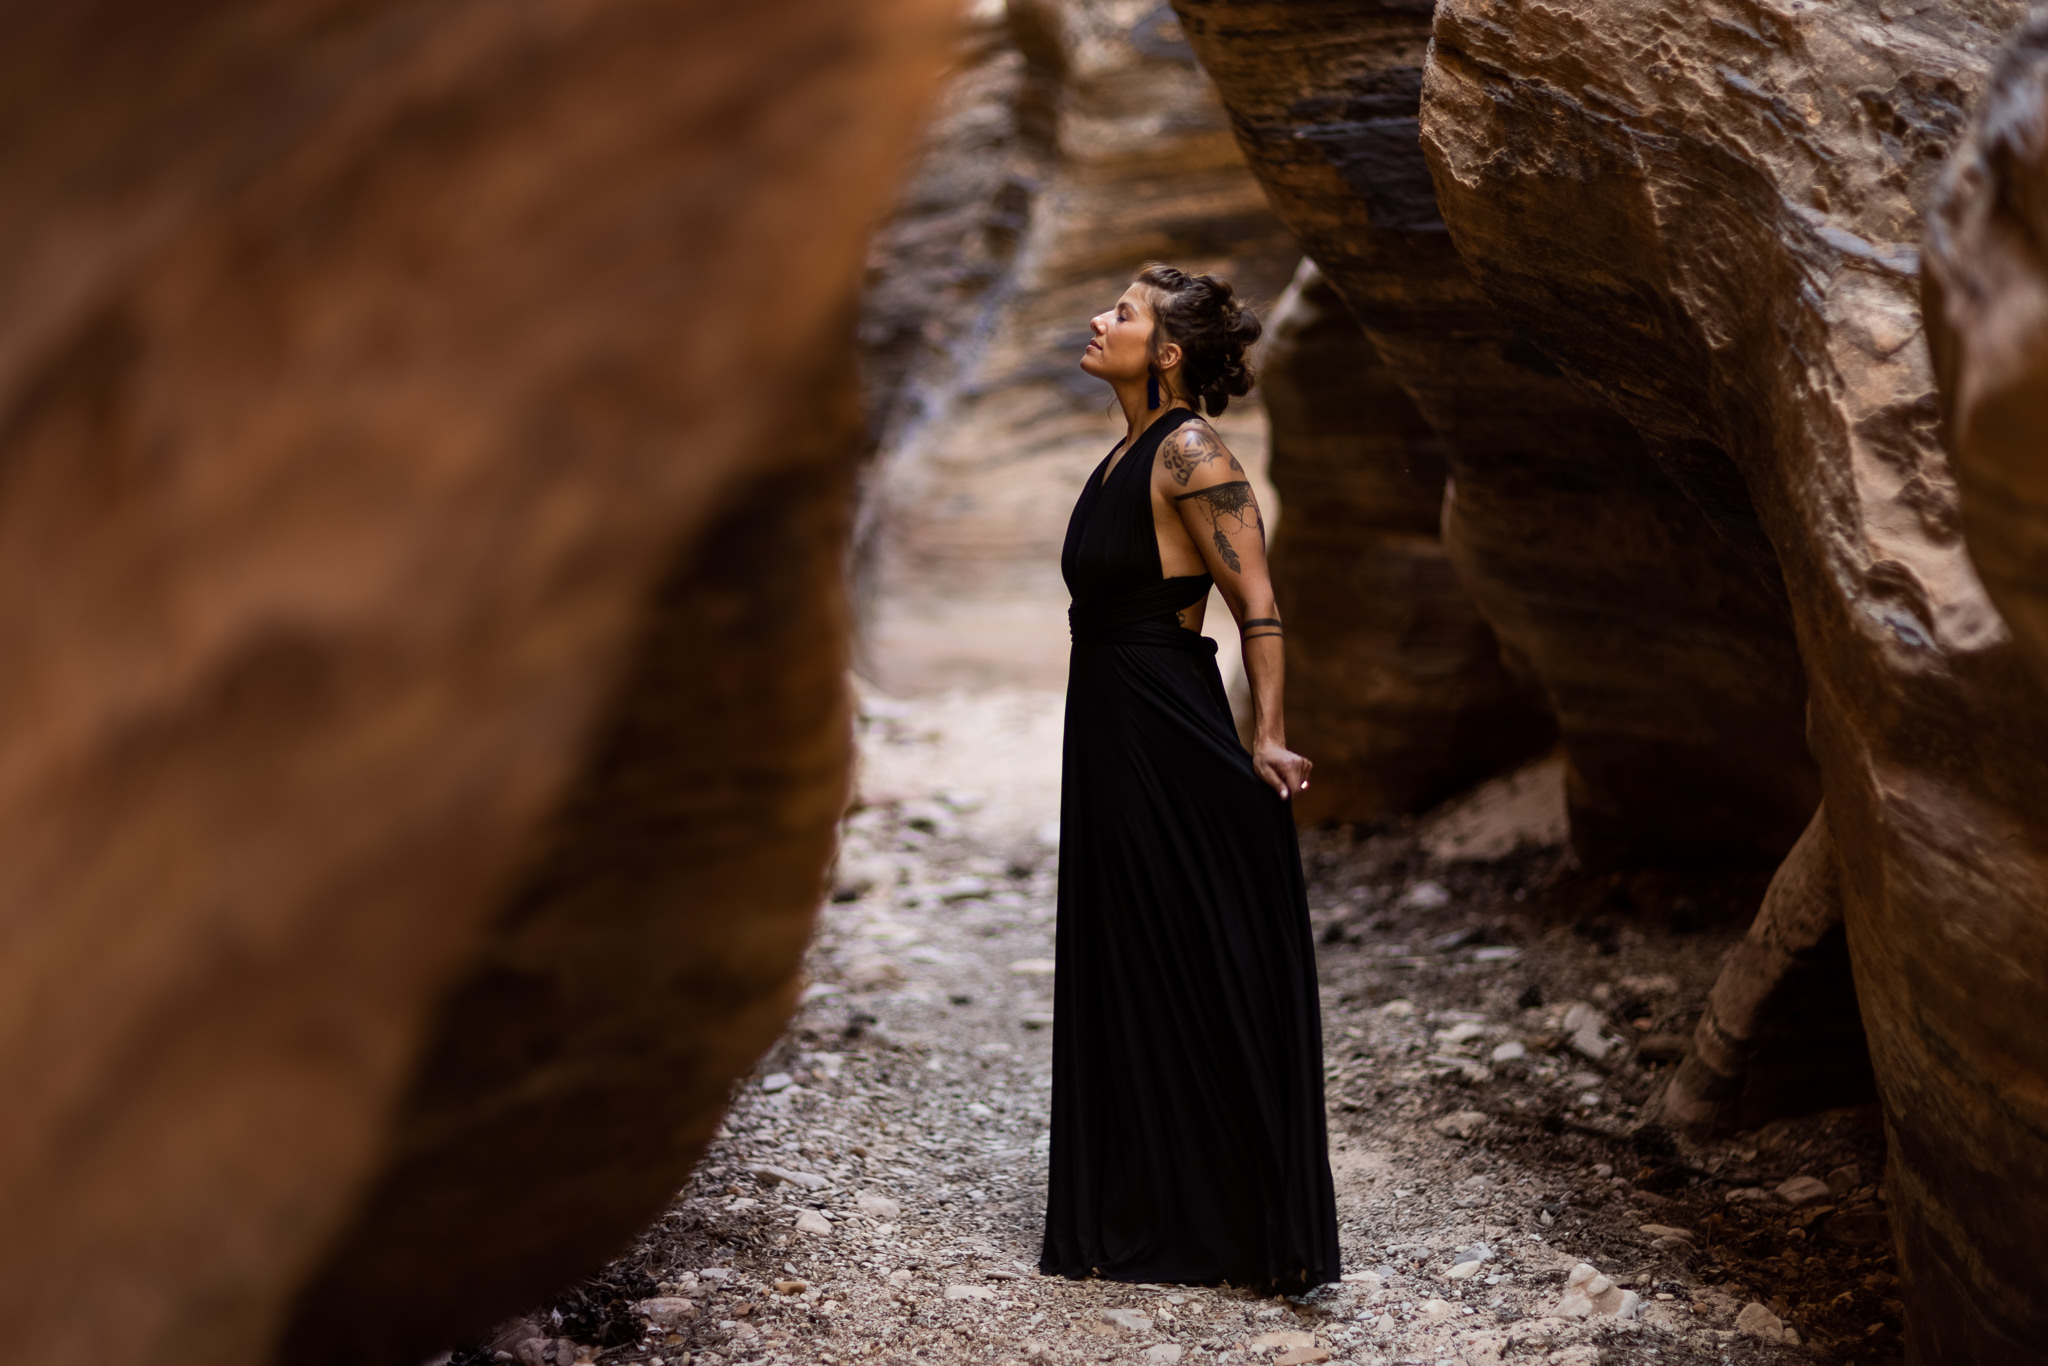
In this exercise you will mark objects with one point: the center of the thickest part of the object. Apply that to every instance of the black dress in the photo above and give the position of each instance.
(1187, 1095)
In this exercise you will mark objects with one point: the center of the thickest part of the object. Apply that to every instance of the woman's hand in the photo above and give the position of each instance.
(1282, 769)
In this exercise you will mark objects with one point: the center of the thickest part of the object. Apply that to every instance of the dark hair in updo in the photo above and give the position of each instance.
(1214, 331)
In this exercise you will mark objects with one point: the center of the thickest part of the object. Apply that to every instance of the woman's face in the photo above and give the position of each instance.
(1119, 346)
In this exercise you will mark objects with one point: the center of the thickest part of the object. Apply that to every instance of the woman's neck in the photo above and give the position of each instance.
(1139, 414)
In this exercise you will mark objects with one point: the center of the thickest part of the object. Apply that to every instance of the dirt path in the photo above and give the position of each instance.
(1493, 1025)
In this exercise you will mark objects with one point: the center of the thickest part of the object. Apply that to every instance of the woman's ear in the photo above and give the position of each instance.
(1169, 356)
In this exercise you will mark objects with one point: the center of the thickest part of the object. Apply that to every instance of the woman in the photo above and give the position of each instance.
(1187, 1109)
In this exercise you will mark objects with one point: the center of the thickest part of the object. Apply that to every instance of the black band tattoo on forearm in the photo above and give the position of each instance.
(1234, 502)
(1192, 447)
(1250, 622)
(1260, 635)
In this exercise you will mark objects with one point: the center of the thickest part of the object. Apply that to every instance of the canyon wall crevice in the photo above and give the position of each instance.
(1394, 681)
(1601, 560)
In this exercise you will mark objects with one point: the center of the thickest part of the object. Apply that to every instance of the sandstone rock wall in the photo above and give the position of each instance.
(1118, 153)
(1708, 214)
(1985, 282)
(1394, 683)
(1639, 590)
(366, 373)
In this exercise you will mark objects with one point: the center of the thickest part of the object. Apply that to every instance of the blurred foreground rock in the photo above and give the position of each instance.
(397, 398)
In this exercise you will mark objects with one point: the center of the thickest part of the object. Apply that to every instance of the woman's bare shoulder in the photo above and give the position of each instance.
(1194, 449)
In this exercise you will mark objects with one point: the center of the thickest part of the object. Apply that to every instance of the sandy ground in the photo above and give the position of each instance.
(1495, 1023)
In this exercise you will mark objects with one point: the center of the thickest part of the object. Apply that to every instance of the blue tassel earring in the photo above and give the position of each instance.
(1152, 391)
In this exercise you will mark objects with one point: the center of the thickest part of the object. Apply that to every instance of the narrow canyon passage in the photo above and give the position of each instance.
(1494, 1022)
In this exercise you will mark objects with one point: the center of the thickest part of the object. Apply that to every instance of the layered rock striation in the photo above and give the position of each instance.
(1632, 581)
(396, 398)
(1709, 216)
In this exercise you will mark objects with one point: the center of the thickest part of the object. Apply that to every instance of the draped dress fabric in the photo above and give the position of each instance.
(1188, 1142)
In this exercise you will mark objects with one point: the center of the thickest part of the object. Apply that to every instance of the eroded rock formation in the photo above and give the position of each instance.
(393, 394)
(1638, 589)
(1707, 215)
(1985, 281)
(1394, 683)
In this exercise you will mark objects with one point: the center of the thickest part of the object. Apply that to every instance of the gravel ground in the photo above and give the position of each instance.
(1494, 1020)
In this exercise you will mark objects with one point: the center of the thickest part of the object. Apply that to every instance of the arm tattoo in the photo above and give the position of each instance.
(1250, 622)
(1233, 502)
(1192, 447)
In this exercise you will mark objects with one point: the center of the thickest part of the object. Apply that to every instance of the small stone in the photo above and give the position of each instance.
(1587, 1292)
(666, 1311)
(1164, 1353)
(1036, 1019)
(1438, 1309)
(1130, 1320)
(1398, 1008)
(1301, 1356)
(1510, 1051)
(1464, 1271)
(1425, 896)
(1843, 1181)
(1461, 1032)
(1665, 1231)
(1759, 1322)
(1801, 1191)
(1383, 1324)
(1747, 1195)
(777, 1081)
(1459, 1124)
(811, 1221)
(1496, 953)
(899, 1277)
(879, 1208)
(969, 1292)
(809, 1181)
(873, 974)
(1283, 1337)
(791, 1287)
(1032, 967)
(1364, 1280)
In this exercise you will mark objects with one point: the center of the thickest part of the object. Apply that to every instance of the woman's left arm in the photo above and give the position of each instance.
(1221, 514)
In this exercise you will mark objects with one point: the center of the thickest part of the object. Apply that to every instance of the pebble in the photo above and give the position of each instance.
(1426, 896)
(1131, 1320)
(1165, 1353)
(1283, 1337)
(1438, 1309)
(1032, 967)
(777, 1081)
(1510, 1051)
(1759, 1322)
(1464, 1271)
(1587, 1292)
(791, 1287)
(810, 1181)
(1460, 1033)
(1383, 1324)
(1036, 1019)
(1301, 1356)
(1800, 1191)
(666, 1311)
(874, 974)
(810, 1221)
(880, 1208)
(969, 1292)
(1365, 1280)
(1398, 1008)
(1459, 1123)
(899, 1277)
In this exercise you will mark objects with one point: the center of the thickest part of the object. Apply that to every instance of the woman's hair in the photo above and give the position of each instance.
(1214, 331)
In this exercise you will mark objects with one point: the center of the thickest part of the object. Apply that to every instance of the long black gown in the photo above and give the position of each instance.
(1187, 1097)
